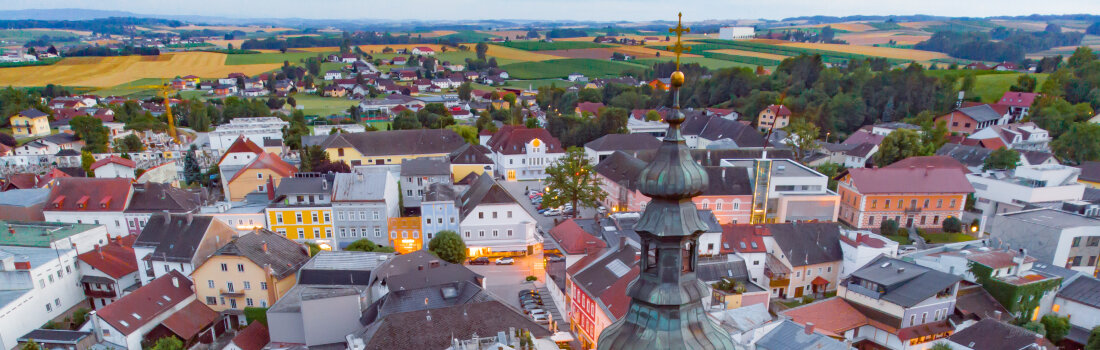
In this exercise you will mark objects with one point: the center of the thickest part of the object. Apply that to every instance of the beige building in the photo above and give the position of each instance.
(254, 176)
(253, 270)
(775, 116)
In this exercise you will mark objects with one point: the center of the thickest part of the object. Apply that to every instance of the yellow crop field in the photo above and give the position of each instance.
(889, 52)
(750, 54)
(642, 51)
(517, 54)
(435, 33)
(901, 37)
(111, 71)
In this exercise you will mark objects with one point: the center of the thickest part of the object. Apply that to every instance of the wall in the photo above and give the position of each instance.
(255, 275)
(1080, 315)
(112, 170)
(28, 311)
(521, 223)
(290, 225)
(432, 212)
(329, 320)
(733, 209)
(367, 227)
(114, 221)
(248, 182)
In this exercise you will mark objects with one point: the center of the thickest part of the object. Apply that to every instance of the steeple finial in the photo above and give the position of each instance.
(679, 47)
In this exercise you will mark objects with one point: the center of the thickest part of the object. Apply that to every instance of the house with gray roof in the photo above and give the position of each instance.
(599, 149)
(391, 147)
(989, 334)
(23, 204)
(362, 203)
(486, 325)
(1052, 236)
(438, 211)
(418, 173)
(1080, 301)
(178, 242)
(790, 335)
(495, 222)
(967, 120)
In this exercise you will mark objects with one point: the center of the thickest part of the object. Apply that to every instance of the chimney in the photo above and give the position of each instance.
(901, 269)
(622, 242)
(95, 325)
(175, 282)
(809, 329)
(265, 247)
(270, 188)
(420, 267)
(997, 314)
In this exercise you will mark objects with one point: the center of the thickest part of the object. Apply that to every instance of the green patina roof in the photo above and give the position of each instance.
(38, 233)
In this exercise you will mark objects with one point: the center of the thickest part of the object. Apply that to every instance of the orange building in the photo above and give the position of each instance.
(911, 196)
(405, 234)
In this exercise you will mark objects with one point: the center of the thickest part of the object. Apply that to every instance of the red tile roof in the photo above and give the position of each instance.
(512, 139)
(583, 262)
(779, 110)
(89, 194)
(993, 143)
(939, 162)
(242, 145)
(996, 258)
(909, 180)
(862, 239)
(590, 107)
(271, 162)
(744, 238)
(1018, 99)
(115, 259)
(615, 297)
(115, 160)
(831, 317)
(253, 337)
(188, 321)
(575, 240)
(155, 298)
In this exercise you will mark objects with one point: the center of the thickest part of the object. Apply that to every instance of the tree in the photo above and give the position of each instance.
(900, 144)
(1025, 83)
(192, 174)
(168, 343)
(80, 316)
(1057, 327)
(129, 144)
(92, 131)
(31, 345)
(1035, 327)
(448, 245)
(802, 137)
(933, 134)
(86, 161)
(464, 91)
(572, 179)
(1078, 144)
(952, 224)
(365, 245)
(888, 227)
(468, 132)
(406, 120)
(481, 48)
(1094, 339)
(652, 116)
(1002, 159)
(7, 140)
(941, 346)
(531, 122)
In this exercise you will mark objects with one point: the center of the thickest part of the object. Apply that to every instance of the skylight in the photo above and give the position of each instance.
(136, 316)
(618, 268)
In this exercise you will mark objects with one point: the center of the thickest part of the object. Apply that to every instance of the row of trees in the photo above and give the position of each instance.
(1000, 44)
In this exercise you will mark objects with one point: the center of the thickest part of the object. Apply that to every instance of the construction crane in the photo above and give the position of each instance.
(164, 90)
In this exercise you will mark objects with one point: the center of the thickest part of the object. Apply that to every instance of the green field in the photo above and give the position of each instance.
(562, 68)
(136, 87)
(261, 58)
(709, 63)
(468, 36)
(828, 56)
(545, 46)
(535, 84)
(323, 106)
(23, 35)
(991, 87)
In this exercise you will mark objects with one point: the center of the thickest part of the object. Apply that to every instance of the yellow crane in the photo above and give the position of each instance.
(164, 90)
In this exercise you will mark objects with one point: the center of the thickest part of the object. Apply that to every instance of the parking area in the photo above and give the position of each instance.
(505, 281)
(518, 189)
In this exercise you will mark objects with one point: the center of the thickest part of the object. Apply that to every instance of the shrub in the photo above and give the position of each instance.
(807, 299)
(532, 278)
(889, 227)
(256, 314)
(952, 224)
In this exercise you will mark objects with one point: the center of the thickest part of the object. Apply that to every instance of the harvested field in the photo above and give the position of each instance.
(848, 26)
(920, 25)
(750, 54)
(517, 54)
(888, 52)
(595, 53)
(645, 52)
(111, 71)
(225, 43)
(73, 31)
(902, 37)
(511, 34)
(435, 33)
(770, 41)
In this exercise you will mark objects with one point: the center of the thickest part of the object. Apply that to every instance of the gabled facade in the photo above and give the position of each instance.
(596, 287)
(178, 243)
(263, 174)
(362, 203)
(253, 270)
(419, 173)
(967, 120)
(90, 201)
(911, 197)
(438, 211)
(523, 154)
(109, 271)
(390, 147)
(30, 123)
(494, 222)
(302, 210)
(773, 117)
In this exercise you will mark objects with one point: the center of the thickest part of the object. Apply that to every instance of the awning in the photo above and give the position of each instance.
(96, 279)
(925, 329)
(561, 337)
(819, 281)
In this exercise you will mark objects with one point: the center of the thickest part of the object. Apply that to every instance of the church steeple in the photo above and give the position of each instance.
(666, 310)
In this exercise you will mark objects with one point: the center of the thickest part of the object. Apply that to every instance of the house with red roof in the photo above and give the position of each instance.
(912, 197)
(522, 153)
(165, 307)
(253, 337)
(1019, 103)
(773, 116)
(99, 201)
(790, 260)
(596, 286)
(262, 174)
(973, 117)
(423, 50)
(575, 242)
(110, 271)
(1018, 136)
(588, 108)
(114, 166)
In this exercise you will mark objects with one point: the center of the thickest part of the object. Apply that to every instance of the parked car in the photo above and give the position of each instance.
(531, 300)
(554, 257)
(601, 209)
(505, 261)
(528, 291)
(552, 212)
(535, 311)
(531, 306)
(481, 260)
(541, 319)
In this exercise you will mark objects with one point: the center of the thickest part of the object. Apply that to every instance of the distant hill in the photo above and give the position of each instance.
(63, 14)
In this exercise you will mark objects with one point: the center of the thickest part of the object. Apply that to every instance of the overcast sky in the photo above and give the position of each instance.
(603, 10)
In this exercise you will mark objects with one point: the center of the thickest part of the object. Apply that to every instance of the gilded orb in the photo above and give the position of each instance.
(677, 78)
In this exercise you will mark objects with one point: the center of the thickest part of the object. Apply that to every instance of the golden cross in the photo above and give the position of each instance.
(679, 48)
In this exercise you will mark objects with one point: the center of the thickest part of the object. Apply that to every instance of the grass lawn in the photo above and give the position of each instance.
(557, 45)
(327, 66)
(535, 84)
(323, 106)
(901, 239)
(991, 87)
(562, 68)
(261, 58)
(946, 237)
(24, 35)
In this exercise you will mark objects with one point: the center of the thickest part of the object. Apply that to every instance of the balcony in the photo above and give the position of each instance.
(231, 293)
(858, 289)
(149, 273)
(779, 283)
(913, 210)
(99, 293)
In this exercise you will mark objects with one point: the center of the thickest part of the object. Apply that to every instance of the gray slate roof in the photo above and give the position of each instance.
(427, 298)
(471, 154)
(412, 330)
(24, 197)
(620, 142)
(397, 142)
(303, 185)
(1084, 290)
(981, 113)
(484, 190)
(157, 197)
(971, 156)
(425, 166)
(348, 268)
(906, 287)
(989, 334)
(54, 336)
(621, 168)
(789, 335)
(439, 191)
(808, 243)
(266, 248)
(360, 186)
(175, 237)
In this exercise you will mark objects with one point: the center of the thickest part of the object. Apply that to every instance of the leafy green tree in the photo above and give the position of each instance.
(293, 132)
(86, 161)
(1002, 159)
(952, 224)
(129, 143)
(8, 140)
(1057, 327)
(465, 91)
(802, 137)
(900, 144)
(448, 245)
(573, 179)
(168, 343)
(31, 345)
(1093, 342)
(92, 131)
(933, 135)
(888, 227)
(1025, 83)
(468, 132)
(192, 173)
(941, 346)
(366, 245)
(314, 248)
(80, 316)
(590, 95)
(531, 123)
(481, 48)
(1081, 57)
(831, 170)
(1057, 115)
(652, 116)
(1035, 327)
(1079, 144)
(406, 120)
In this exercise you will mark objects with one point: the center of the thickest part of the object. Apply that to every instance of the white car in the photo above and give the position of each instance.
(552, 212)
(505, 261)
(541, 319)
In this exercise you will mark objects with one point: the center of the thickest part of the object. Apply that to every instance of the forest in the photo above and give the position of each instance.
(1000, 44)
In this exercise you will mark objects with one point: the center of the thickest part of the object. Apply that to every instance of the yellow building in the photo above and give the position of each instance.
(390, 147)
(405, 234)
(254, 176)
(302, 210)
(253, 270)
(30, 123)
(471, 159)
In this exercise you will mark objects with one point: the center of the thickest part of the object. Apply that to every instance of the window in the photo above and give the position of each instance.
(49, 307)
(339, 215)
(344, 232)
(301, 233)
(936, 220)
(225, 267)
(939, 203)
(706, 204)
(887, 204)
(913, 320)
(718, 205)
(922, 217)
(377, 232)
(316, 232)
(829, 269)
(232, 303)
(467, 234)
(248, 302)
(481, 233)
(496, 233)
(912, 203)
(375, 214)
(1092, 260)
(298, 218)
(211, 301)
(874, 203)
(240, 267)
(258, 175)
(509, 214)
(339, 152)
(509, 233)
(926, 203)
(328, 233)
(278, 218)
(1093, 241)
(210, 283)
(1076, 261)
(327, 218)
(313, 216)
(480, 215)
(229, 286)
(263, 303)
(494, 215)
(952, 203)
(1076, 241)
(871, 220)
(263, 285)
(408, 193)
(260, 188)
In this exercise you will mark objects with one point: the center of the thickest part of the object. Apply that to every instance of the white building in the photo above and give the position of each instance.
(734, 33)
(1018, 136)
(795, 192)
(112, 167)
(90, 201)
(362, 203)
(108, 272)
(173, 242)
(1077, 300)
(523, 154)
(36, 285)
(860, 247)
(244, 217)
(255, 129)
(1052, 236)
(125, 322)
(347, 128)
(419, 173)
(83, 237)
(999, 192)
(493, 222)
